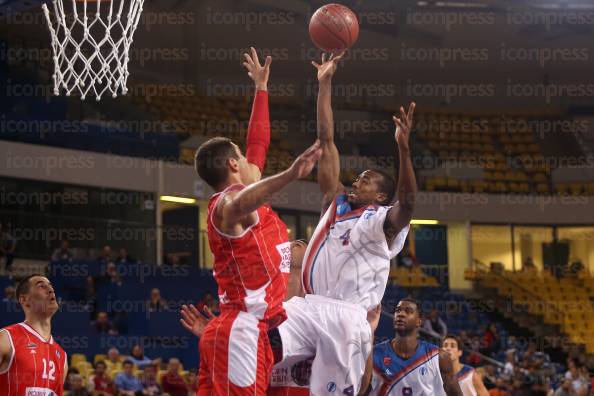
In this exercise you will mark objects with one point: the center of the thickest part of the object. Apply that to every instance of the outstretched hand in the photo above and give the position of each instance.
(193, 320)
(328, 67)
(305, 163)
(257, 72)
(404, 125)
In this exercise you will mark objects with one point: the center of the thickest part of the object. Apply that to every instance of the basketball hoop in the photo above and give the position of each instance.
(90, 42)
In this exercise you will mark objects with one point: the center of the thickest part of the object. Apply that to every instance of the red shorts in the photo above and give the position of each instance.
(235, 356)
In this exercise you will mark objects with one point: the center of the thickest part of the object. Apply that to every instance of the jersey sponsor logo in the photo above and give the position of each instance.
(31, 345)
(301, 372)
(284, 250)
(368, 215)
(39, 392)
(346, 237)
(423, 370)
(387, 360)
(388, 372)
(407, 391)
(331, 387)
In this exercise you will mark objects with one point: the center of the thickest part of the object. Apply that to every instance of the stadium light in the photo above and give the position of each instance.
(182, 200)
(423, 222)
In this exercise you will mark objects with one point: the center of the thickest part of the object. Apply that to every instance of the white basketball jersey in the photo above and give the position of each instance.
(348, 257)
(417, 376)
(464, 377)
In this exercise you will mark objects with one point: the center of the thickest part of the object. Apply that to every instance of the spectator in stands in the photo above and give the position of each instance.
(579, 382)
(500, 389)
(138, 357)
(126, 383)
(100, 384)
(9, 294)
(435, 325)
(156, 303)
(102, 325)
(172, 381)
(576, 267)
(192, 382)
(106, 254)
(510, 361)
(124, 257)
(150, 386)
(111, 276)
(406, 258)
(7, 247)
(491, 340)
(208, 301)
(63, 252)
(489, 376)
(114, 359)
(565, 389)
(76, 386)
(71, 371)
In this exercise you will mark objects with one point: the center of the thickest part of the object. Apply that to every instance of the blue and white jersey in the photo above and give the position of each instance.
(419, 375)
(465, 377)
(348, 257)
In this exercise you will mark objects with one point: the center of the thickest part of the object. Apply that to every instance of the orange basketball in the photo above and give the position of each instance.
(334, 28)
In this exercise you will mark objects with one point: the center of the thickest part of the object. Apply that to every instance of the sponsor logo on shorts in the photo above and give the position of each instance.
(284, 250)
(301, 372)
(39, 392)
(331, 387)
(349, 391)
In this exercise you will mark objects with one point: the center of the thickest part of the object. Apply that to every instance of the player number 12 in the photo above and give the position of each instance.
(52, 370)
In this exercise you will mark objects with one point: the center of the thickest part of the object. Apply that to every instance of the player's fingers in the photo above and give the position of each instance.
(323, 57)
(331, 57)
(188, 316)
(248, 59)
(250, 75)
(247, 66)
(268, 62)
(312, 148)
(403, 115)
(185, 324)
(194, 310)
(316, 65)
(400, 124)
(411, 111)
(208, 312)
(255, 56)
(339, 56)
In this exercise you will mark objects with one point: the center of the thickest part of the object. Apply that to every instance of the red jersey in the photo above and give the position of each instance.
(36, 367)
(252, 269)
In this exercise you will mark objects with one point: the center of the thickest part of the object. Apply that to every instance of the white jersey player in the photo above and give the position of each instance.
(347, 261)
(469, 380)
(407, 366)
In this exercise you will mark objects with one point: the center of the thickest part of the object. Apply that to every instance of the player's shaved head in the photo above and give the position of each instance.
(386, 185)
(211, 160)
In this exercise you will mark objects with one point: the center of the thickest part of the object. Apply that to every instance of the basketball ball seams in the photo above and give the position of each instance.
(346, 25)
(333, 33)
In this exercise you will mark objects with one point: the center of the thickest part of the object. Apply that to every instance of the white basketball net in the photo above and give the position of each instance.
(91, 44)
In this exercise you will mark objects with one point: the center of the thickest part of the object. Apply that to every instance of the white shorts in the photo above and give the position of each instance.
(335, 334)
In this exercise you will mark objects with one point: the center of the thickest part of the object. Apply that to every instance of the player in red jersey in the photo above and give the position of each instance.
(31, 362)
(251, 251)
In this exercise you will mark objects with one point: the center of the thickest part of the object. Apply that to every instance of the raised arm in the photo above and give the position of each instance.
(235, 206)
(329, 166)
(258, 134)
(400, 214)
(446, 368)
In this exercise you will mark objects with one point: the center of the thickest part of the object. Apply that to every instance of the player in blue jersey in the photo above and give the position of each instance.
(469, 380)
(407, 366)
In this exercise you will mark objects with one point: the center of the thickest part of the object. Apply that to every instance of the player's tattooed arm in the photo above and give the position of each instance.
(400, 214)
(234, 207)
(329, 167)
(477, 381)
(446, 368)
